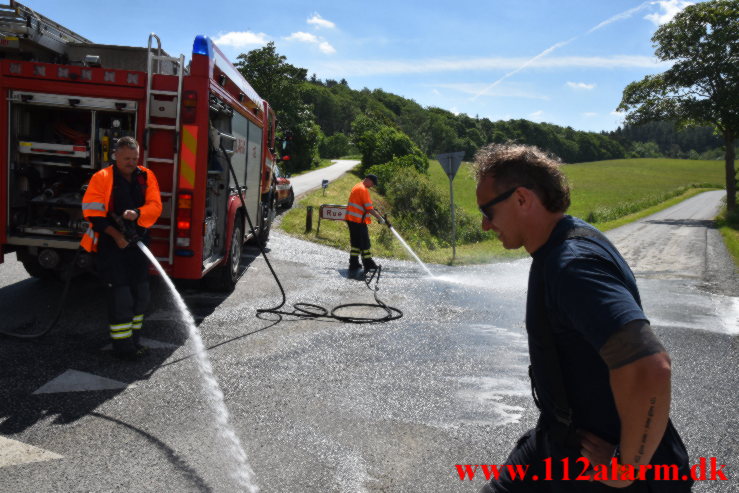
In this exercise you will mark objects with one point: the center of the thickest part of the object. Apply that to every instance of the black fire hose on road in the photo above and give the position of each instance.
(131, 235)
(309, 310)
(60, 309)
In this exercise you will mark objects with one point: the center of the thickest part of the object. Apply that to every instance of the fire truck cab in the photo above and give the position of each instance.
(66, 101)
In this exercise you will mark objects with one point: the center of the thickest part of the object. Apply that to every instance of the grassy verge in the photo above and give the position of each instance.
(626, 189)
(728, 225)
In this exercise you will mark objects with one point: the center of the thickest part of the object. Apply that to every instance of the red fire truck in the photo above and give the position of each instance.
(65, 101)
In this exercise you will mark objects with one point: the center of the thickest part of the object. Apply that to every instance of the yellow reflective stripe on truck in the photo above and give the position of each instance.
(188, 156)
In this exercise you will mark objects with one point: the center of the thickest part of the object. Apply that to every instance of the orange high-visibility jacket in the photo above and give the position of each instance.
(359, 204)
(96, 203)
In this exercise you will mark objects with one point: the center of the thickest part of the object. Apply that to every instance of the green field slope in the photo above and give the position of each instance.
(607, 193)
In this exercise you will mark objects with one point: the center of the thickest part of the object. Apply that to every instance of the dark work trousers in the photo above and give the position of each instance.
(532, 449)
(125, 273)
(360, 244)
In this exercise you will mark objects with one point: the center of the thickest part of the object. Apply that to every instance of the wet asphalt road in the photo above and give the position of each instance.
(328, 407)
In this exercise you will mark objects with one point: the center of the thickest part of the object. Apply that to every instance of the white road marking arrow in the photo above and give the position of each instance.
(79, 381)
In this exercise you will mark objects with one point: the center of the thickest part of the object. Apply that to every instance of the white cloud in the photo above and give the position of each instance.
(345, 68)
(511, 91)
(326, 47)
(669, 8)
(620, 114)
(454, 110)
(240, 39)
(589, 114)
(320, 22)
(581, 85)
(536, 115)
(303, 37)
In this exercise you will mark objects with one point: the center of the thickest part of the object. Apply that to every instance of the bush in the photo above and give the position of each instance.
(335, 146)
(387, 172)
(302, 147)
(421, 210)
(382, 144)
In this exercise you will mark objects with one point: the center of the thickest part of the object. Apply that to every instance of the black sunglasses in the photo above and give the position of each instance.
(500, 198)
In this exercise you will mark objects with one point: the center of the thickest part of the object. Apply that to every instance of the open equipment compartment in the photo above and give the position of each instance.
(56, 143)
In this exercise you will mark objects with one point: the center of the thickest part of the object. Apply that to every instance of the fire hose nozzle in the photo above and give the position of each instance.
(387, 221)
(128, 228)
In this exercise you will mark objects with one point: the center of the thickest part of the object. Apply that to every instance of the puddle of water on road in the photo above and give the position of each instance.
(488, 394)
(243, 473)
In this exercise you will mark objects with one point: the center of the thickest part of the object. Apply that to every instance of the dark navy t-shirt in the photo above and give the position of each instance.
(582, 290)
(125, 195)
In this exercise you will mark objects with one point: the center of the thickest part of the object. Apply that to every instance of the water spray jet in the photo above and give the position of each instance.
(243, 472)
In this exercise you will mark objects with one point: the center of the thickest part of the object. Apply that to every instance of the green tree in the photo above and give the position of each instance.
(702, 86)
(335, 146)
(280, 83)
(644, 149)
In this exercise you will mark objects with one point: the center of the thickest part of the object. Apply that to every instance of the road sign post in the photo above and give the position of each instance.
(450, 162)
(333, 212)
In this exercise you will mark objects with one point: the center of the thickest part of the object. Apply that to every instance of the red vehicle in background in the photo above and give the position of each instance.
(62, 113)
(283, 189)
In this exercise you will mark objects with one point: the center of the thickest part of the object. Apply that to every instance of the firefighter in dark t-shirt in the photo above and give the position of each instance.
(601, 378)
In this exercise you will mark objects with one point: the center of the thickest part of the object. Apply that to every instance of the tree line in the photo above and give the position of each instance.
(319, 119)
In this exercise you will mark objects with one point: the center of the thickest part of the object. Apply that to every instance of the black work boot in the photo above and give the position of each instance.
(355, 268)
(137, 342)
(125, 349)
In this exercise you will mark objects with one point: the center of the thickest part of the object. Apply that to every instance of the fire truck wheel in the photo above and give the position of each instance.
(290, 200)
(225, 277)
(268, 215)
(32, 266)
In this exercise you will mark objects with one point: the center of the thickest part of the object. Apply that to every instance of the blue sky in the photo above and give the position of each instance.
(559, 61)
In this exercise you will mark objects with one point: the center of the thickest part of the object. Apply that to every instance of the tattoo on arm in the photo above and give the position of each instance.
(647, 425)
(633, 341)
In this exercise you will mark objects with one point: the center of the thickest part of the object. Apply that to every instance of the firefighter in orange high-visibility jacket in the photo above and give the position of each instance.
(357, 210)
(121, 202)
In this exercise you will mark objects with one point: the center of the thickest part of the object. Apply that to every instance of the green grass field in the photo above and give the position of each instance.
(611, 192)
(604, 185)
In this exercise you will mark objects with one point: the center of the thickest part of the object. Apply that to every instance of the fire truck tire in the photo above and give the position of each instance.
(290, 200)
(34, 269)
(225, 277)
(268, 216)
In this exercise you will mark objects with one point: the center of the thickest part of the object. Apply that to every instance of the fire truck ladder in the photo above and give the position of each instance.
(17, 20)
(154, 66)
